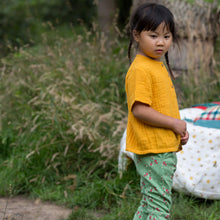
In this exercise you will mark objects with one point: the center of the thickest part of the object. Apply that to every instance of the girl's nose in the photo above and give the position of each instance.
(160, 41)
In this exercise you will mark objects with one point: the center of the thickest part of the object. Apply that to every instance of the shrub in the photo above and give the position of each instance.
(22, 22)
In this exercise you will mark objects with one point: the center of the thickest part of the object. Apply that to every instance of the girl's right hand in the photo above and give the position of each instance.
(185, 138)
(179, 127)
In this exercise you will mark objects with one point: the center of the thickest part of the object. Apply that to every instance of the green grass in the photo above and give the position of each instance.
(63, 112)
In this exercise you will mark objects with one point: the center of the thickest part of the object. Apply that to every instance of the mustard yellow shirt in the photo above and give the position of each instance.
(148, 81)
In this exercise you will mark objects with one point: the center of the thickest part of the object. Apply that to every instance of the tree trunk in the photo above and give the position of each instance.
(106, 11)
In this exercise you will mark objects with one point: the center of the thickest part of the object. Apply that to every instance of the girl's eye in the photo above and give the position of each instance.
(153, 36)
(167, 36)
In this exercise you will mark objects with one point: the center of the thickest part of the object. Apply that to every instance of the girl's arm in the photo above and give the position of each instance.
(152, 117)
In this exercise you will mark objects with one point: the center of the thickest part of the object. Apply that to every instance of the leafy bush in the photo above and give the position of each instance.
(23, 21)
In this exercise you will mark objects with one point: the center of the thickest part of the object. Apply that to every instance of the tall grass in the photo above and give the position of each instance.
(62, 108)
(63, 112)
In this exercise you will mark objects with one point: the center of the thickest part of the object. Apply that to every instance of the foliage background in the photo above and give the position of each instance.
(22, 22)
(63, 112)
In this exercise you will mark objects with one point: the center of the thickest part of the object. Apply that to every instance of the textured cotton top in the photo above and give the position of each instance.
(148, 82)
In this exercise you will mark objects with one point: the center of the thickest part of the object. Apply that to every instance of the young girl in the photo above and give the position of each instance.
(154, 130)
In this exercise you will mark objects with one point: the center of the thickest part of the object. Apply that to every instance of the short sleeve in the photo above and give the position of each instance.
(138, 86)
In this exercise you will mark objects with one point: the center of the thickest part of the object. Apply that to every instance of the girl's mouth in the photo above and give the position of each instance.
(159, 51)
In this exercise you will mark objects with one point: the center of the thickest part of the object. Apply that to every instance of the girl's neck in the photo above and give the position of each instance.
(144, 55)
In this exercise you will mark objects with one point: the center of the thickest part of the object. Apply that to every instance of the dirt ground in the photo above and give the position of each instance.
(20, 208)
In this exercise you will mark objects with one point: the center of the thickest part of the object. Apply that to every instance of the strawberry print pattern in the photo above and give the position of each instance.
(156, 178)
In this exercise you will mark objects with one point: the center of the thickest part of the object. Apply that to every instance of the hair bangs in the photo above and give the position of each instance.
(155, 16)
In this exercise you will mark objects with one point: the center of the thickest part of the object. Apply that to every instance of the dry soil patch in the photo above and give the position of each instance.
(20, 208)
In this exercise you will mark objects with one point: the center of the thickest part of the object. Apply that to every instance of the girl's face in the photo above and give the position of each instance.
(153, 44)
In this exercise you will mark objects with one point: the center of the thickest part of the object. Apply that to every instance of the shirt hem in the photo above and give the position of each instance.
(176, 149)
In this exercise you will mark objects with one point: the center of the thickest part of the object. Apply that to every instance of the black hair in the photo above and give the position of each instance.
(147, 17)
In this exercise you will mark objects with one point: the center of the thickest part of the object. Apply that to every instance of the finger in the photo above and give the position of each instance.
(183, 134)
(183, 142)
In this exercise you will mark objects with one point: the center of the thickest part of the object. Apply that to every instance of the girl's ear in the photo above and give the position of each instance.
(136, 35)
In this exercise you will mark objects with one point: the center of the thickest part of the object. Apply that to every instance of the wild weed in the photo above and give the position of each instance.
(61, 102)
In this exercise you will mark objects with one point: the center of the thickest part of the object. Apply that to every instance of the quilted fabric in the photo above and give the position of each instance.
(209, 118)
(212, 113)
(198, 164)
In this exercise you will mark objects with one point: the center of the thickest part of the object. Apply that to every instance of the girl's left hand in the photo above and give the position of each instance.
(185, 138)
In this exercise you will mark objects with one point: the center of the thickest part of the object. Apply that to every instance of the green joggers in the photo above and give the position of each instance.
(156, 178)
